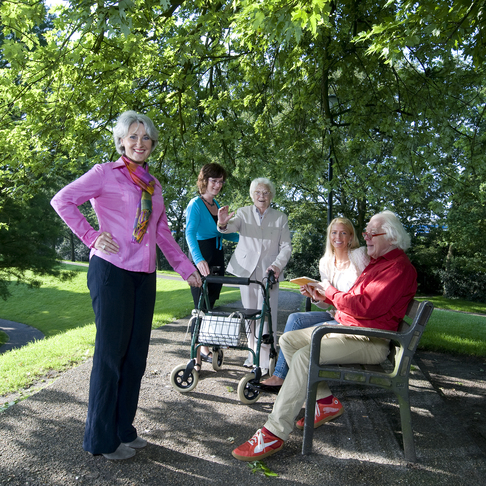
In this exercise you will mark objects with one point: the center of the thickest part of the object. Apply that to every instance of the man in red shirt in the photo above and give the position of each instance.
(378, 299)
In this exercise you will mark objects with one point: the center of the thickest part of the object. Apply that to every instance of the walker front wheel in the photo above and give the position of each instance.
(181, 384)
(246, 393)
(218, 359)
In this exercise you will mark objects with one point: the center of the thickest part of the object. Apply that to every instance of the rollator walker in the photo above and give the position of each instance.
(228, 328)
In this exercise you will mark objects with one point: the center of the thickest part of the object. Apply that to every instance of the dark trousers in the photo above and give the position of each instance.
(123, 303)
(214, 258)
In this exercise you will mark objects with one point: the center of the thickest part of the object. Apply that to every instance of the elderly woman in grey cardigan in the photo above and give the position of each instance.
(264, 245)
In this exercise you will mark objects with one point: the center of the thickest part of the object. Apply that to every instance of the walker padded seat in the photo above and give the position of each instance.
(225, 311)
(393, 374)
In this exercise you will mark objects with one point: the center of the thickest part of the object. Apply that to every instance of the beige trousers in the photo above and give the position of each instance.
(335, 349)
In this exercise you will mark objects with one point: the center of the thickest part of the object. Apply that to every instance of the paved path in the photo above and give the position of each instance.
(191, 435)
(19, 334)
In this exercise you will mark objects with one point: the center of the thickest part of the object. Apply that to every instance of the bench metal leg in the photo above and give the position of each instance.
(309, 419)
(407, 431)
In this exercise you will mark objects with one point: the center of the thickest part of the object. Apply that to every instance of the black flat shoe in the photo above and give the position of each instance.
(274, 389)
(207, 358)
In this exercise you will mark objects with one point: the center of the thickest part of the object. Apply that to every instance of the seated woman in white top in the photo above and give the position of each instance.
(342, 264)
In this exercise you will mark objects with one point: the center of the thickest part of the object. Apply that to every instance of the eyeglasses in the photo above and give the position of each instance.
(262, 193)
(370, 236)
(216, 182)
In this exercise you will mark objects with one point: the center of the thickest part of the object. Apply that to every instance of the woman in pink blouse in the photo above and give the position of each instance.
(122, 282)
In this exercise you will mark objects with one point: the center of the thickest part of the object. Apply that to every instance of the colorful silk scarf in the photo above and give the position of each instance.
(146, 182)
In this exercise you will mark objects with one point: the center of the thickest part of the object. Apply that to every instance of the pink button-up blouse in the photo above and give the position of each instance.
(115, 199)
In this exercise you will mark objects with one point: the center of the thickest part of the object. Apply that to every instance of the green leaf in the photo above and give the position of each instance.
(259, 466)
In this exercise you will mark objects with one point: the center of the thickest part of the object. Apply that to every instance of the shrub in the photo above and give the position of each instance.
(462, 279)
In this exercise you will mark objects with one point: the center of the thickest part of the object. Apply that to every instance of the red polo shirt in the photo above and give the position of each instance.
(380, 296)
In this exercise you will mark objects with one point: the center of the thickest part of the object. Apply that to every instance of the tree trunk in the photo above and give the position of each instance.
(71, 241)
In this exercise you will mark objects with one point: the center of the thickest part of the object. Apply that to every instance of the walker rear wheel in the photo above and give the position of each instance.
(246, 394)
(178, 382)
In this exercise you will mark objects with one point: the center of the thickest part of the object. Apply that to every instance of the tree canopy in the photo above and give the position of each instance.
(248, 84)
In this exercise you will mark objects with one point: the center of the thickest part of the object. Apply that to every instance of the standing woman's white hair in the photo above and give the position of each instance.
(124, 123)
(264, 182)
(395, 232)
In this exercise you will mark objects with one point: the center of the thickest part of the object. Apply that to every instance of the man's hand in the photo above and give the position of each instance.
(325, 284)
(322, 287)
(304, 290)
(310, 290)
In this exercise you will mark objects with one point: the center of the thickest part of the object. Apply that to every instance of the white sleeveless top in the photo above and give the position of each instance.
(344, 279)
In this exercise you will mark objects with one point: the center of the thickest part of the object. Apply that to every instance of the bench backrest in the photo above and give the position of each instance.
(410, 334)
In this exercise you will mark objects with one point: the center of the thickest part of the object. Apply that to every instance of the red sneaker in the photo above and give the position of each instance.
(324, 413)
(261, 445)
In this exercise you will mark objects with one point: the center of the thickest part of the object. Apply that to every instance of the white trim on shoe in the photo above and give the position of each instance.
(261, 444)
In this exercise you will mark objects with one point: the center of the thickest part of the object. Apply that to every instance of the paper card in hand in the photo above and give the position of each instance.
(303, 281)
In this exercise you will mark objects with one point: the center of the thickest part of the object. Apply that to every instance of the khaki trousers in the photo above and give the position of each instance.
(335, 349)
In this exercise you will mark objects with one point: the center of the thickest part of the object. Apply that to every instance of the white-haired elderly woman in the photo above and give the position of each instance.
(121, 278)
(264, 244)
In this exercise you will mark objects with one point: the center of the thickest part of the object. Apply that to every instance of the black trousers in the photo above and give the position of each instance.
(123, 303)
(214, 258)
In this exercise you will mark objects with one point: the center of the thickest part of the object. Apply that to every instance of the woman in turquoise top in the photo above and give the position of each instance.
(202, 236)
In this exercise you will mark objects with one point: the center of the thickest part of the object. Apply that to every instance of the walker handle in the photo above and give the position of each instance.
(227, 280)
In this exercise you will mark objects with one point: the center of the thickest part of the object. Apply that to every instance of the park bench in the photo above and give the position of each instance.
(392, 375)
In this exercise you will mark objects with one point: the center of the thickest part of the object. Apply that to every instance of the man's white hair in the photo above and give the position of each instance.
(395, 232)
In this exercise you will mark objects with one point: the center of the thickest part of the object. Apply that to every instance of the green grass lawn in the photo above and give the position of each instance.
(459, 305)
(455, 333)
(63, 312)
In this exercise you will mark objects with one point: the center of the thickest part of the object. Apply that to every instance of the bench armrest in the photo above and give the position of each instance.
(323, 329)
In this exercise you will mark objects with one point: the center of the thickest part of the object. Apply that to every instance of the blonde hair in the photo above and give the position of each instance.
(327, 260)
(353, 242)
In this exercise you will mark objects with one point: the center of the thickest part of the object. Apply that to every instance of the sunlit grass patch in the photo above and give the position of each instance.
(20, 368)
(456, 333)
